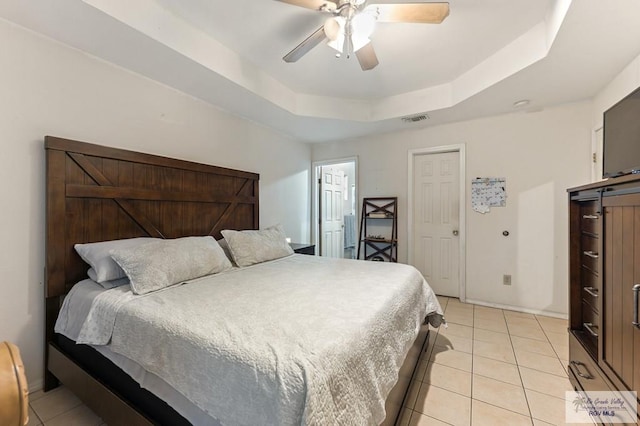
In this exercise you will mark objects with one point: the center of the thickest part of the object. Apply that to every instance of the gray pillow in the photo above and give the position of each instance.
(98, 257)
(251, 247)
(110, 283)
(162, 263)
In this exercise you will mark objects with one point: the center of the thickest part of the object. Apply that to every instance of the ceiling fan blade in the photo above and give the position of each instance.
(313, 4)
(367, 57)
(419, 13)
(303, 48)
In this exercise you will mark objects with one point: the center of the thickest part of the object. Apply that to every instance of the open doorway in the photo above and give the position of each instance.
(335, 207)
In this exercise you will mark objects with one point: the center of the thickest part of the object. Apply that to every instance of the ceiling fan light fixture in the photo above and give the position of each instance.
(361, 28)
(359, 42)
(333, 27)
(337, 44)
(363, 24)
(350, 28)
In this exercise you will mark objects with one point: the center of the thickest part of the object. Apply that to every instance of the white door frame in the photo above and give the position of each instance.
(315, 219)
(596, 154)
(460, 149)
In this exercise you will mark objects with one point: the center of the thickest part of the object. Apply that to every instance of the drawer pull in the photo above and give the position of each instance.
(591, 290)
(589, 216)
(590, 254)
(588, 326)
(636, 290)
(577, 365)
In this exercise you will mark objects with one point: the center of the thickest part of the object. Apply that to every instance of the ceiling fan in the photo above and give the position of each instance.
(352, 23)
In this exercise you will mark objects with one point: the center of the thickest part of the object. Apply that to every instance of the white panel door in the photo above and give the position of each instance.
(331, 212)
(436, 186)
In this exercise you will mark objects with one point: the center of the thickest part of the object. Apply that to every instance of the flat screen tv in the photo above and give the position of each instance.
(621, 139)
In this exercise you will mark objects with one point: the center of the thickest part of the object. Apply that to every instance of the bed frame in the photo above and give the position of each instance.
(96, 193)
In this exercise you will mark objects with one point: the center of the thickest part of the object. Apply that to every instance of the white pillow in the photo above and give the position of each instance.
(225, 248)
(162, 263)
(251, 247)
(98, 257)
(107, 284)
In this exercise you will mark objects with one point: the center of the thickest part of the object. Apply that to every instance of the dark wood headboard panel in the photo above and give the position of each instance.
(97, 193)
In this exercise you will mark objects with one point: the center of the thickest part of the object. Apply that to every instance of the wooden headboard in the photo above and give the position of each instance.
(97, 193)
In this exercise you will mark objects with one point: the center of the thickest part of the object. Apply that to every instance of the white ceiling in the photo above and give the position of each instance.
(485, 56)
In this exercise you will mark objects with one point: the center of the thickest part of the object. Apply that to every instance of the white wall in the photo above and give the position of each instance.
(620, 86)
(540, 154)
(49, 89)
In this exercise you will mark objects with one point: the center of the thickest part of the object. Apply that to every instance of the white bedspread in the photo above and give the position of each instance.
(300, 340)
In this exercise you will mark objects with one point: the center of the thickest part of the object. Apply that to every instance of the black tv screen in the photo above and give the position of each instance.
(621, 139)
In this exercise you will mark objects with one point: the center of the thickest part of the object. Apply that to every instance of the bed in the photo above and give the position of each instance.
(96, 193)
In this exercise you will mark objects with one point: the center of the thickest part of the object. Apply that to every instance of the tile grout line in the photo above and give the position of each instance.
(36, 414)
(553, 347)
(519, 372)
(422, 383)
(42, 422)
(428, 358)
(554, 351)
(517, 364)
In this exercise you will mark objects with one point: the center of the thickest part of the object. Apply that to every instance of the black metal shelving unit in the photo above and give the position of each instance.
(379, 215)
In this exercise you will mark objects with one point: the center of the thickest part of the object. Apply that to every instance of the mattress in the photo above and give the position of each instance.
(299, 340)
(72, 317)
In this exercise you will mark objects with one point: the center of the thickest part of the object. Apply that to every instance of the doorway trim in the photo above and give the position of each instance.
(460, 149)
(596, 153)
(315, 219)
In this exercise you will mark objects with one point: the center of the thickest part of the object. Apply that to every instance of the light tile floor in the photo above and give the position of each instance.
(489, 367)
(60, 407)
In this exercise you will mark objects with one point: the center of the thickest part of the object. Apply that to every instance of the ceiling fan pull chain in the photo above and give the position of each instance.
(348, 42)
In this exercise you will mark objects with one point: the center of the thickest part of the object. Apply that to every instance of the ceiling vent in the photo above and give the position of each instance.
(415, 118)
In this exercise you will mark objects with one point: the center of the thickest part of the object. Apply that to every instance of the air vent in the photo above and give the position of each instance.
(415, 118)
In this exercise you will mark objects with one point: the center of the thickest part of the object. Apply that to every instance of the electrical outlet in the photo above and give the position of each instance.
(506, 279)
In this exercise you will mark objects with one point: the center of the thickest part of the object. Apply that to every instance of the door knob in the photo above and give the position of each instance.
(455, 232)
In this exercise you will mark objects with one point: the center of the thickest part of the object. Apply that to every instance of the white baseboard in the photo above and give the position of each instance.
(518, 309)
(36, 385)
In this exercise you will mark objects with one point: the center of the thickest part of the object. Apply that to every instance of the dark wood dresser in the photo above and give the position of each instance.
(604, 270)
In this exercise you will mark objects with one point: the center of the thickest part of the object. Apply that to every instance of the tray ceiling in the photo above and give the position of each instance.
(479, 61)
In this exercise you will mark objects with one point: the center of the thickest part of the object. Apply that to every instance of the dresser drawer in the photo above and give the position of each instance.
(590, 316)
(591, 279)
(584, 375)
(590, 288)
(589, 219)
(584, 367)
(589, 252)
(590, 328)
